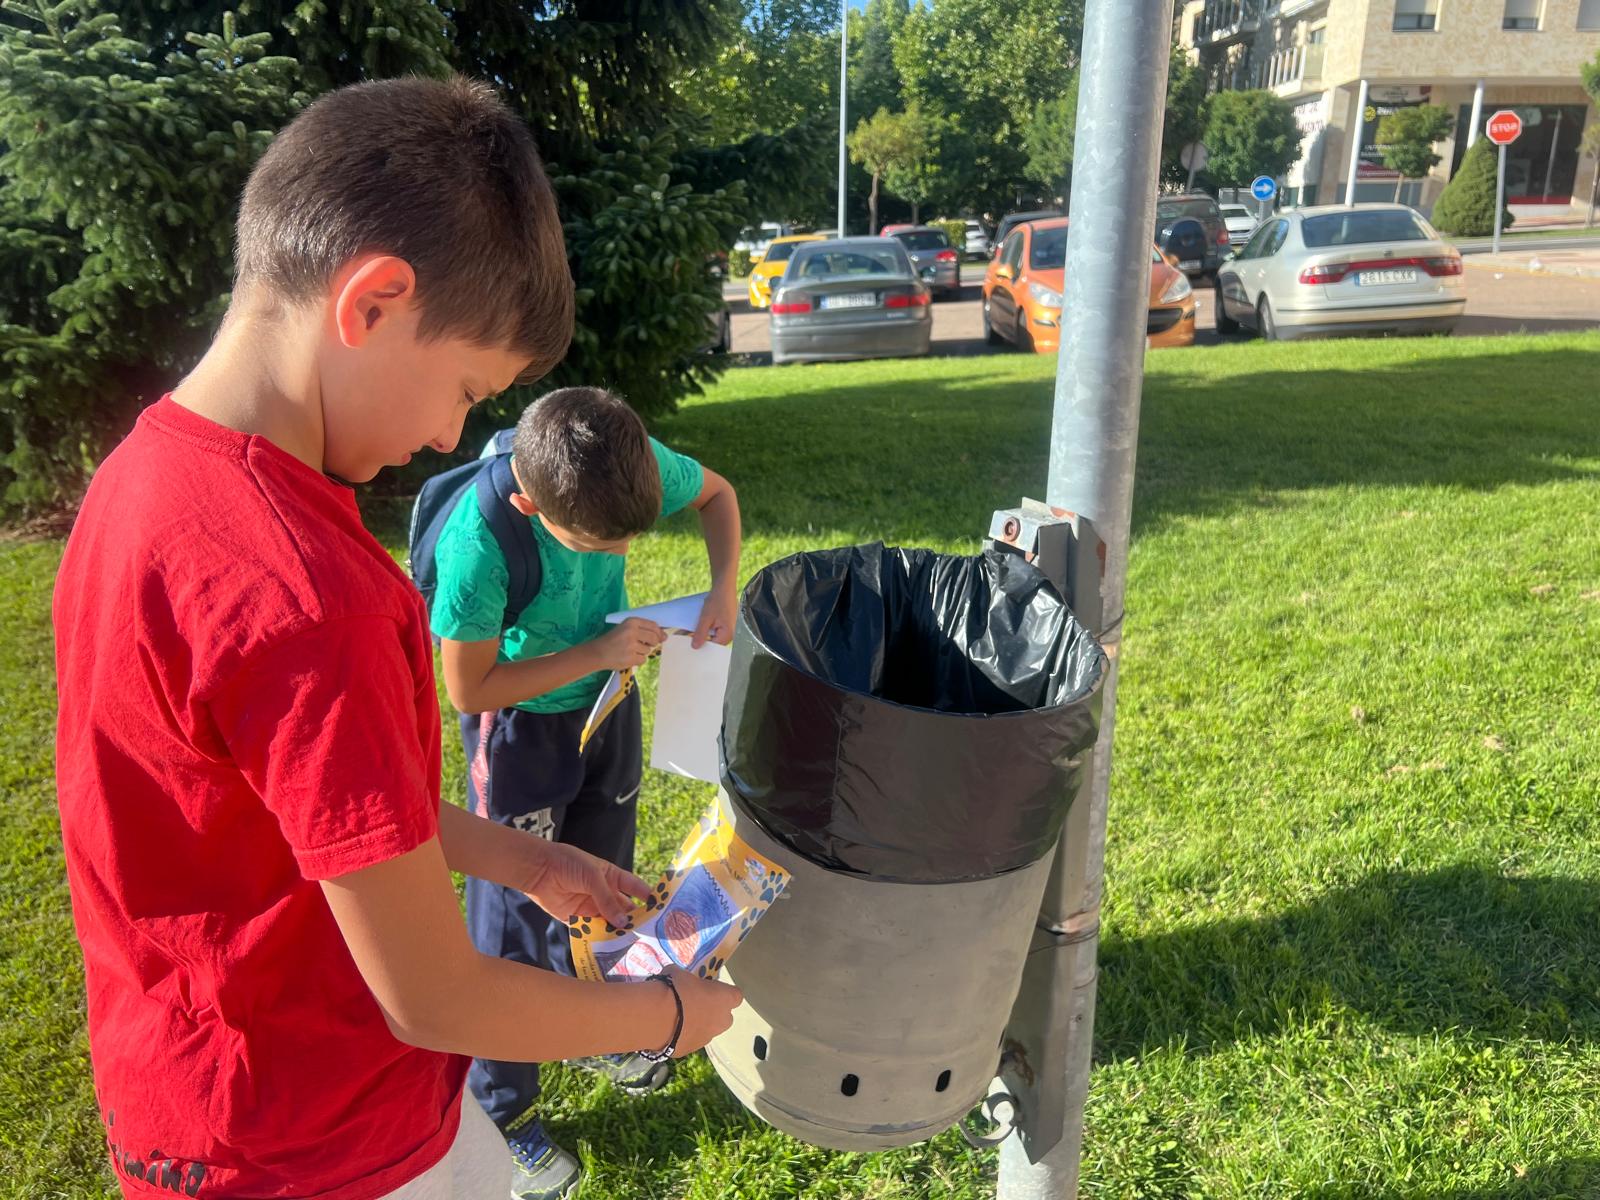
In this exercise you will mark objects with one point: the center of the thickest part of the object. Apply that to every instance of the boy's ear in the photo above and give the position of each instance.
(521, 502)
(368, 292)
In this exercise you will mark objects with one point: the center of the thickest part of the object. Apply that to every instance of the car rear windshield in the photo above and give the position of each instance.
(1171, 210)
(924, 239)
(1359, 228)
(1049, 249)
(837, 264)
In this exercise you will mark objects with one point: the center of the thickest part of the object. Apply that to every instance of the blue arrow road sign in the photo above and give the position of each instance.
(1263, 187)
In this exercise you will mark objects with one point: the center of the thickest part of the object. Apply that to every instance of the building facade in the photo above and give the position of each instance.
(1343, 64)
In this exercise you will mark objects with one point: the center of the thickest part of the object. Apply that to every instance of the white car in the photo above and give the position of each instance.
(1334, 271)
(977, 241)
(1241, 223)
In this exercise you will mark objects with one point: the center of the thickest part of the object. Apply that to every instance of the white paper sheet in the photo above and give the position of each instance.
(689, 709)
(682, 613)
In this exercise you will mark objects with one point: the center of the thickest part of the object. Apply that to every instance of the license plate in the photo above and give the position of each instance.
(1189, 264)
(1378, 278)
(850, 300)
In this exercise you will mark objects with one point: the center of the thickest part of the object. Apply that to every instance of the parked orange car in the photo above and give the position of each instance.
(1022, 292)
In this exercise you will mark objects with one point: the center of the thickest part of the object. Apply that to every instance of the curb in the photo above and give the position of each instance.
(1544, 270)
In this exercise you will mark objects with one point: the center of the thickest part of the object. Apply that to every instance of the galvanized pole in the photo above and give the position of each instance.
(1357, 129)
(844, 103)
(1099, 375)
(1499, 196)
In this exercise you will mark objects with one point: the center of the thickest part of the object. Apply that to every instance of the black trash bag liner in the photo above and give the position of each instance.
(907, 715)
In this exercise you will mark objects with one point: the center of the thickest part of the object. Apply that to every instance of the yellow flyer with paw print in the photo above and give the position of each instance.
(708, 901)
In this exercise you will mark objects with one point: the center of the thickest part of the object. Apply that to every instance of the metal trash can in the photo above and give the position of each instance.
(903, 732)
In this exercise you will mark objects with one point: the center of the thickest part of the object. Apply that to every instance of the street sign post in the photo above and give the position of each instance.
(1504, 128)
(1263, 188)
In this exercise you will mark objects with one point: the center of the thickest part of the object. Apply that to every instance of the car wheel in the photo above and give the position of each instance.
(1265, 325)
(990, 334)
(1024, 338)
(1226, 325)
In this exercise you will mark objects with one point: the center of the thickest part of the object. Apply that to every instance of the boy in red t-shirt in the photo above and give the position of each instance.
(282, 995)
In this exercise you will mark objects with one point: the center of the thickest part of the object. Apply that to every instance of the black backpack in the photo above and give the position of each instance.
(491, 478)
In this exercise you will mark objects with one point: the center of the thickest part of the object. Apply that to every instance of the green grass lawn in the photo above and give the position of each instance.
(1352, 923)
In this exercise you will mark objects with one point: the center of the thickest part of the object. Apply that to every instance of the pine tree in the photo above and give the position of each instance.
(126, 134)
(1466, 206)
(119, 173)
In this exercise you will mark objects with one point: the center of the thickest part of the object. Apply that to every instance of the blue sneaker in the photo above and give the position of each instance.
(542, 1170)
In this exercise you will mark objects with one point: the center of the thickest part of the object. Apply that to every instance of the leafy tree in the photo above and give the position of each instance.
(1406, 138)
(882, 143)
(1185, 118)
(914, 176)
(1250, 133)
(777, 67)
(1466, 206)
(986, 66)
(1049, 141)
(874, 80)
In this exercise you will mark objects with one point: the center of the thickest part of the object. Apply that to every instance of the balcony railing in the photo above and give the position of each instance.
(1226, 19)
(1292, 67)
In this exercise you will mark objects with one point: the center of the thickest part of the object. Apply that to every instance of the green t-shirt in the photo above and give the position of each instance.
(576, 592)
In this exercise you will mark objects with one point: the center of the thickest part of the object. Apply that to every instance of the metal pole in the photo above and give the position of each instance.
(1499, 197)
(1475, 124)
(1357, 131)
(1099, 375)
(1594, 189)
(844, 103)
(1550, 163)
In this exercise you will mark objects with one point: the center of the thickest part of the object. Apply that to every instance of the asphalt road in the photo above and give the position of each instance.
(1497, 302)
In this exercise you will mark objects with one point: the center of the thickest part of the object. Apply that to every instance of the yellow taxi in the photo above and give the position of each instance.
(772, 265)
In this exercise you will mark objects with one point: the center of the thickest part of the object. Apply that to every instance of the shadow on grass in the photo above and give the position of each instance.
(925, 460)
(1462, 948)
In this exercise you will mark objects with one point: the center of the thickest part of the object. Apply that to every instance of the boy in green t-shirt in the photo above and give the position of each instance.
(591, 480)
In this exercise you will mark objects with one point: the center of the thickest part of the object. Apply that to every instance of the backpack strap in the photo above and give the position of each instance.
(514, 534)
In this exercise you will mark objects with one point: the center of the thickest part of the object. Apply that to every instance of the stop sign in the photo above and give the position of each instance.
(1504, 127)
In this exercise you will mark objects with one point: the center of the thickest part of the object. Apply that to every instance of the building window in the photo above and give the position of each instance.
(1521, 14)
(1589, 14)
(1411, 15)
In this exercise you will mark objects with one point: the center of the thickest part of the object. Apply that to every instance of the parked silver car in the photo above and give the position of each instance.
(977, 240)
(936, 260)
(1336, 271)
(849, 298)
(1241, 223)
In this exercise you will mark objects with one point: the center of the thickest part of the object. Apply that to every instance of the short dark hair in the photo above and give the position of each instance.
(584, 458)
(438, 172)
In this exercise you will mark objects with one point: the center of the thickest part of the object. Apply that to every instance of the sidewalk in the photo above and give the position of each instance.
(1583, 262)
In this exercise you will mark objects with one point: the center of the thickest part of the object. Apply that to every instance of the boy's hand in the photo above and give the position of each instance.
(707, 1009)
(628, 644)
(567, 882)
(717, 617)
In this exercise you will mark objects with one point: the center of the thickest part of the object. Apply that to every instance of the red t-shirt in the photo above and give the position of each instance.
(247, 706)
